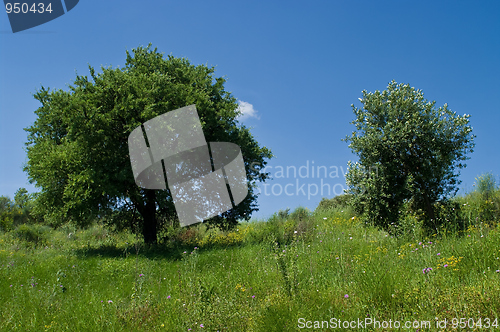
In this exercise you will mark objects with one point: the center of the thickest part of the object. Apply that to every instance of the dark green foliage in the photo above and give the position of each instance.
(32, 234)
(408, 150)
(7, 212)
(283, 214)
(449, 216)
(17, 212)
(300, 214)
(337, 202)
(78, 152)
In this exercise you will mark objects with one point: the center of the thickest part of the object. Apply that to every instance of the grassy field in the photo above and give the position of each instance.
(279, 275)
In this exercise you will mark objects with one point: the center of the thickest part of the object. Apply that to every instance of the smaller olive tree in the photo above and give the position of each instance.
(409, 152)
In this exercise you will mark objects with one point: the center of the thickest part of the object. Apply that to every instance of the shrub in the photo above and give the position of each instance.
(96, 234)
(279, 231)
(484, 204)
(448, 216)
(33, 234)
(410, 225)
(189, 236)
(216, 237)
(256, 232)
(7, 213)
(476, 209)
(300, 214)
(274, 231)
(6, 222)
(485, 185)
(337, 202)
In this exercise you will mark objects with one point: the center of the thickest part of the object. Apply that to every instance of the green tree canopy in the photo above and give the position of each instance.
(21, 198)
(13, 213)
(7, 213)
(77, 148)
(408, 151)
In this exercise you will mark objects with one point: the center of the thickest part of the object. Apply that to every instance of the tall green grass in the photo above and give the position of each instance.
(261, 276)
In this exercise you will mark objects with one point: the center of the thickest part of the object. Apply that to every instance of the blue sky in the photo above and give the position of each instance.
(298, 65)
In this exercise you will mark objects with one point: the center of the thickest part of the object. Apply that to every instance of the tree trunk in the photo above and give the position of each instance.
(149, 228)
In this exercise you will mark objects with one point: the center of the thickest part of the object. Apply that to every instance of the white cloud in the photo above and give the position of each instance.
(247, 111)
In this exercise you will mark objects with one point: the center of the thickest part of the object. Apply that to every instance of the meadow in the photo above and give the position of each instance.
(311, 270)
